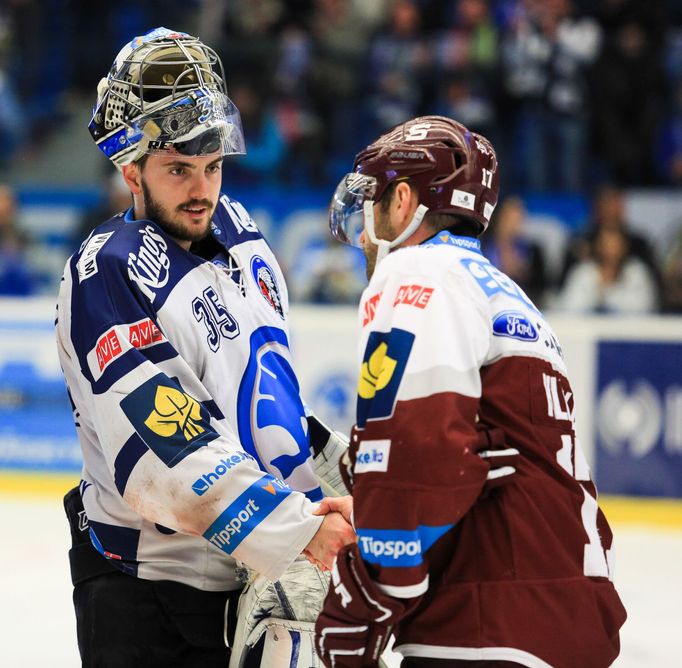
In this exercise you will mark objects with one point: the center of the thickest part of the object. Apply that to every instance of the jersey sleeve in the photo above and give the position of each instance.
(416, 472)
(155, 436)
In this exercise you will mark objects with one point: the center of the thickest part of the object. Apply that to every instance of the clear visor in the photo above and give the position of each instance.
(202, 123)
(346, 218)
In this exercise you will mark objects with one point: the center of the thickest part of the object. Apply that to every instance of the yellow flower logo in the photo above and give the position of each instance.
(376, 372)
(175, 410)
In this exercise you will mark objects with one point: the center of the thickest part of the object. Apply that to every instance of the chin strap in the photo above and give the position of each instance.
(384, 245)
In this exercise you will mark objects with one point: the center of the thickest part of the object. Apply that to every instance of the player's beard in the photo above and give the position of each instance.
(370, 250)
(383, 230)
(173, 227)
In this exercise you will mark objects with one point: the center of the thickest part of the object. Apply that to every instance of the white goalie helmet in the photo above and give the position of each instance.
(165, 92)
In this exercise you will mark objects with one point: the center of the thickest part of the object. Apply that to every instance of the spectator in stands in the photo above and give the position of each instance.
(398, 60)
(13, 126)
(460, 96)
(669, 154)
(545, 57)
(339, 56)
(608, 212)
(513, 253)
(16, 276)
(672, 276)
(249, 40)
(628, 95)
(611, 280)
(264, 138)
(465, 57)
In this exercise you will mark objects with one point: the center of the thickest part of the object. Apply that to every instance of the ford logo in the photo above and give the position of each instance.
(514, 325)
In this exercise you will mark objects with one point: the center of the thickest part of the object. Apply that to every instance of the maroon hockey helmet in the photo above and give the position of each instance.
(453, 170)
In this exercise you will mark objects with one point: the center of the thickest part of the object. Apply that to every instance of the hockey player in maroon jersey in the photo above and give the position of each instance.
(522, 576)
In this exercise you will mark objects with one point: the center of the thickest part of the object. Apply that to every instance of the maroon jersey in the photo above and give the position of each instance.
(524, 573)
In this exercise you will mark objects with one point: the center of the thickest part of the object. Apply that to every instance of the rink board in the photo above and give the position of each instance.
(653, 512)
(625, 373)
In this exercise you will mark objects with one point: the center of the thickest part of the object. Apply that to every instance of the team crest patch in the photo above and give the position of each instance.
(171, 422)
(383, 366)
(265, 279)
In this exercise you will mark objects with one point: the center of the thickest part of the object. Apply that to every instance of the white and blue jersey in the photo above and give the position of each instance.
(194, 438)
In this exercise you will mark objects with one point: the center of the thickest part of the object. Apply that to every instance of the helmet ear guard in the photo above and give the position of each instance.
(165, 90)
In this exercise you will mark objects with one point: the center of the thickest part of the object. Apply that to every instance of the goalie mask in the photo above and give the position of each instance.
(165, 92)
(453, 170)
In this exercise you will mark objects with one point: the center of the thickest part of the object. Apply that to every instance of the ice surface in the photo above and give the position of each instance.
(37, 626)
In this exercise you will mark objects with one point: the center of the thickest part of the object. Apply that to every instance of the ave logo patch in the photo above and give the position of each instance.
(171, 422)
(383, 366)
(121, 338)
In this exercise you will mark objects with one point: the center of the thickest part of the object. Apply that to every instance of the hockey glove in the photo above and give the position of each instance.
(492, 448)
(356, 620)
(329, 447)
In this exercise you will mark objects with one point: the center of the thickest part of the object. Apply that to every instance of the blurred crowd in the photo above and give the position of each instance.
(578, 96)
(569, 91)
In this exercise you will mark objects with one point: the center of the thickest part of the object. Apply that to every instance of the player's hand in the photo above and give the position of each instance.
(503, 461)
(356, 621)
(339, 504)
(333, 534)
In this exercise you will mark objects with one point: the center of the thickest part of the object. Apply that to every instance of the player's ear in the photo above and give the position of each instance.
(405, 202)
(132, 175)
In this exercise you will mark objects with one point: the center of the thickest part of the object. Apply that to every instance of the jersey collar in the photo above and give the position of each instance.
(445, 238)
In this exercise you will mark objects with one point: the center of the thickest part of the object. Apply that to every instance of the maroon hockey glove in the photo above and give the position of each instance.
(491, 447)
(356, 620)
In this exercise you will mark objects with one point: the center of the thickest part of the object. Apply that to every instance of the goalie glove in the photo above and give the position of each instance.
(356, 620)
(328, 447)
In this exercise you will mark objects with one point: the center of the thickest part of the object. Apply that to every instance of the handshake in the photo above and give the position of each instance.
(337, 527)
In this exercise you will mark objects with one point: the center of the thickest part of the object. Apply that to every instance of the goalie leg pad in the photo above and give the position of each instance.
(279, 643)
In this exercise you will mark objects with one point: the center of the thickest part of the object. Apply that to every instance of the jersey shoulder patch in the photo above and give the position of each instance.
(232, 224)
(89, 257)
